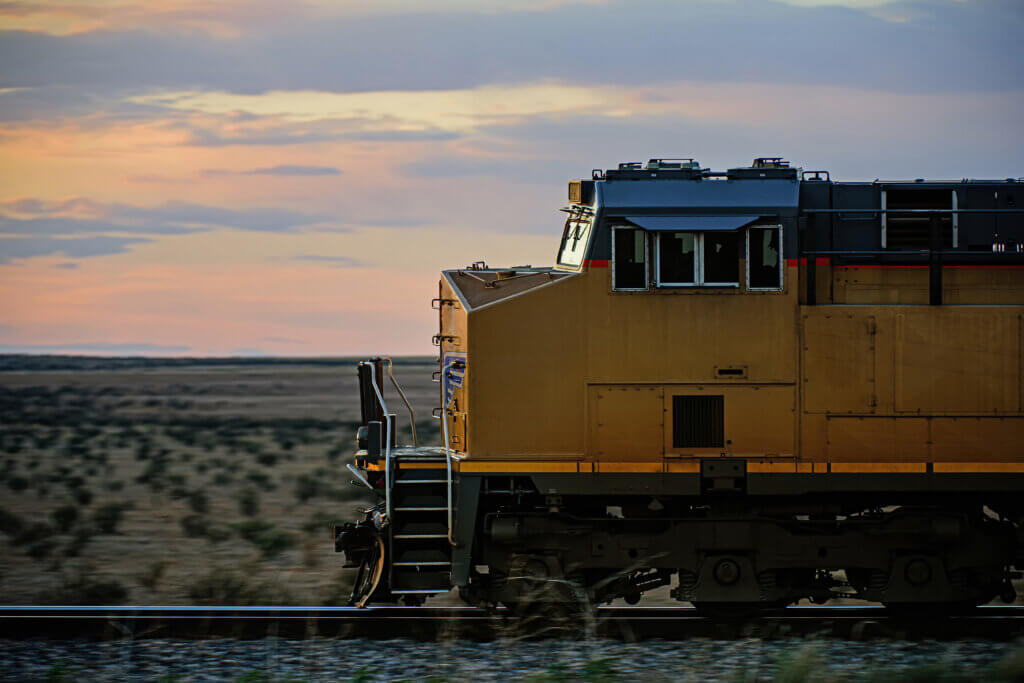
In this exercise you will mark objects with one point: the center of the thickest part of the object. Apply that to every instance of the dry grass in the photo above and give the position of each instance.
(168, 480)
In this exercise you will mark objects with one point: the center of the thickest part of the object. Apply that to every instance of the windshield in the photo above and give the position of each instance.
(575, 237)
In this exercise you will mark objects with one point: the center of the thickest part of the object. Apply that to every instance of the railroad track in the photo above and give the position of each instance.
(432, 623)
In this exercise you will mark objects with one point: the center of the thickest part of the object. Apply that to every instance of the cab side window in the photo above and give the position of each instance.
(629, 259)
(721, 259)
(676, 259)
(764, 257)
(697, 259)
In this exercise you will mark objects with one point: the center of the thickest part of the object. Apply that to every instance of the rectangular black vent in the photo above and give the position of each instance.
(698, 421)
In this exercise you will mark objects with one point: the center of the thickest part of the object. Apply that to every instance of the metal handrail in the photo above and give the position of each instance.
(387, 440)
(447, 452)
(412, 413)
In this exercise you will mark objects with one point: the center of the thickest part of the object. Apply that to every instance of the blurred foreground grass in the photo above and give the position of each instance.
(150, 481)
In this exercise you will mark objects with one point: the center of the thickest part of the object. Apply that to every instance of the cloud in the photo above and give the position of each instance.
(100, 347)
(79, 216)
(279, 170)
(260, 131)
(943, 46)
(12, 248)
(538, 171)
(334, 261)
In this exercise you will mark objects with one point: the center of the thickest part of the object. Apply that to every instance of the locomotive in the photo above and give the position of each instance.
(755, 386)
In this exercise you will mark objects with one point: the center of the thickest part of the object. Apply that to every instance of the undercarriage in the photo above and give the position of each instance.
(519, 548)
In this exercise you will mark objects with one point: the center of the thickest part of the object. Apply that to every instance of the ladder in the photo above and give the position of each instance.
(421, 555)
(418, 507)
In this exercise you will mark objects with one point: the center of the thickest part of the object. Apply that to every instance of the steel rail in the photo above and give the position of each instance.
(433, 623)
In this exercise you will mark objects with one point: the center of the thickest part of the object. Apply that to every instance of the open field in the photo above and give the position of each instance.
(145, 481)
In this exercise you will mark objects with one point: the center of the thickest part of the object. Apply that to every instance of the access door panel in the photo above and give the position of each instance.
(625, 422)
(839, 362)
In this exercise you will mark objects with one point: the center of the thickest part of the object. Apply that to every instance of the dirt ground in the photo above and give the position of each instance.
(152, 482)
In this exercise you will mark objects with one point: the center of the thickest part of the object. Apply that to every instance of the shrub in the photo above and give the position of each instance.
(265, 536)
(83, 496)
(267, 459)
(224, 587)
(17, 483)
(108, 517)
(220, 587)
(339, 591)
(249, 502)
(81, 538)
(84, 590)
(318, 523)
(65, 517)
(150, 577)
(306, 487)
(199, 503)
(10, 523)
(194, 525)
(261, 479)
(33, 533)
(40, 549)
(221, 479)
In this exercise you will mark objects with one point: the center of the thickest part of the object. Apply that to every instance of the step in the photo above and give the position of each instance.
(421, 481)
(421, 475)
(420, 509)
(410, 557)
(414, 497)
(409, 537)
(417, 529)
(413, 563)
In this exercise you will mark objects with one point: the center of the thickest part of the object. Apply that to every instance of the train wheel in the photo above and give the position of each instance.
(548, 608)
(369, 575)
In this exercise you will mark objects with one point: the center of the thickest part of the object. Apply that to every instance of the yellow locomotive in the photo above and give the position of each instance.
(756, 386)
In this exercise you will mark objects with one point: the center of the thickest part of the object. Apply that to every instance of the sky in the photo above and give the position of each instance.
(256, 177)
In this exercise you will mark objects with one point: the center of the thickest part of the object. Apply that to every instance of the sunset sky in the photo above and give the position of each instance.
(221, 178)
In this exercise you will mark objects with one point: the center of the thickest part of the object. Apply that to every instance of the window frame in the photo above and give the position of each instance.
(782, 261)
(647, 260)
(697, 261)
(699, 280)
(703, 283)
(581, 218)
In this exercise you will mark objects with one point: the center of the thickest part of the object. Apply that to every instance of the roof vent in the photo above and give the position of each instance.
(770, 162)
(670, 164)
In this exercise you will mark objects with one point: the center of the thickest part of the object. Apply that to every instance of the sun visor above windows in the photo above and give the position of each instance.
(692, 223)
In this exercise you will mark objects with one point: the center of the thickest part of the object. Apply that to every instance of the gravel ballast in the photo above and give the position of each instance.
(274, 659)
